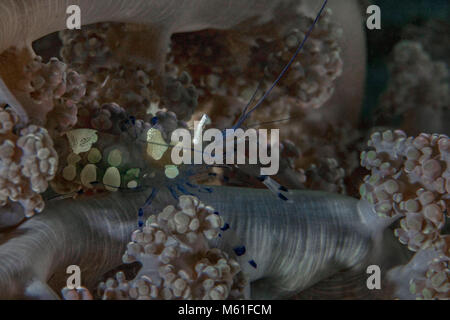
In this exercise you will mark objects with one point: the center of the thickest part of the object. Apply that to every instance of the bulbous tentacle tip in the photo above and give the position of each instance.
(80, 293)
(7, 98)
(177, 260)
(425, 277)
(38, 290)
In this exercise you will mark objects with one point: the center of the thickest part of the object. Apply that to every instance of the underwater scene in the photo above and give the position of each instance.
(224, 150)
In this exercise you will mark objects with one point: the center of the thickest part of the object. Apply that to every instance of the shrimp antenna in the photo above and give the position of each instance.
(247, 106)
(259, 124)
(245, 114)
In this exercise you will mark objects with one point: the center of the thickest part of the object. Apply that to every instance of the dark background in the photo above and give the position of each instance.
(395, 14)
